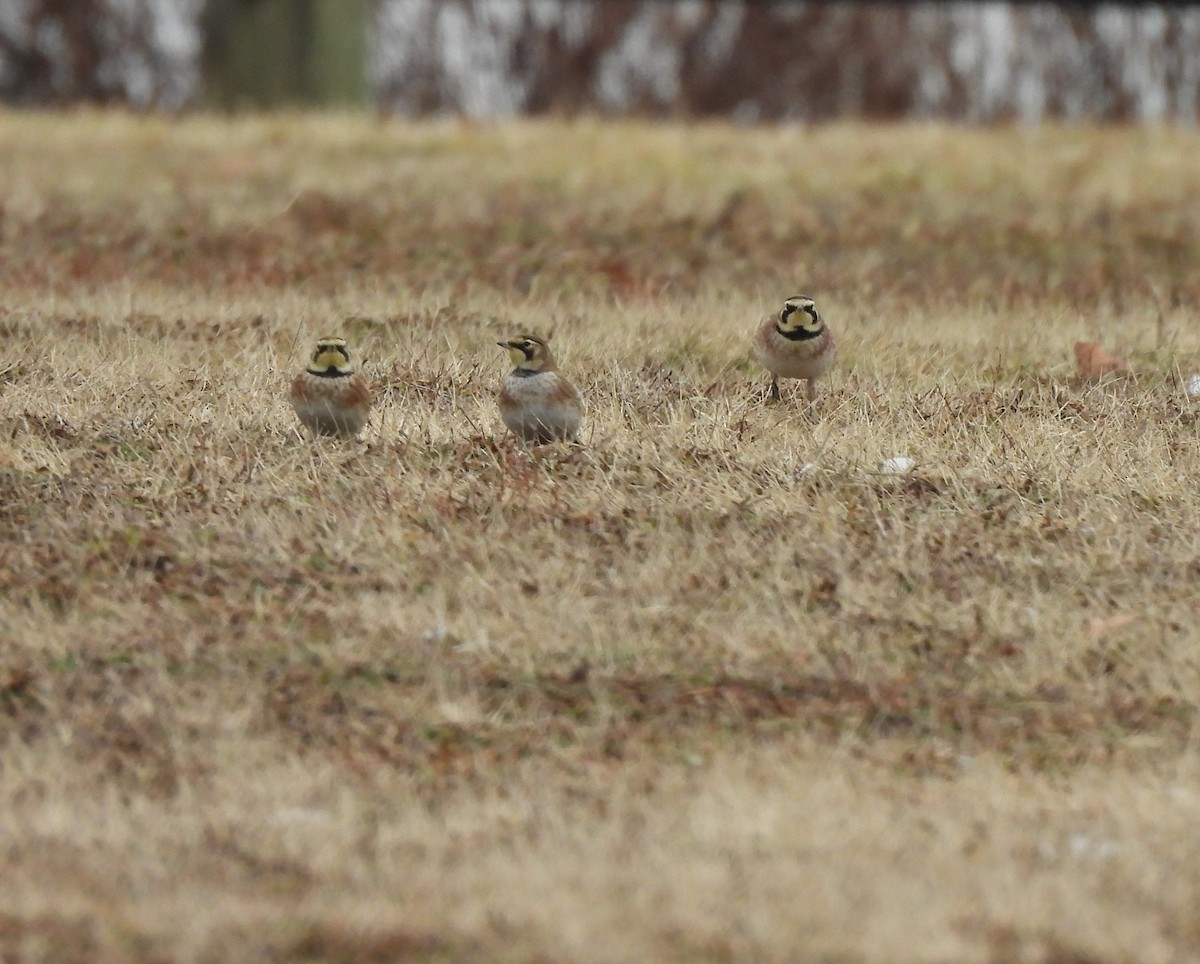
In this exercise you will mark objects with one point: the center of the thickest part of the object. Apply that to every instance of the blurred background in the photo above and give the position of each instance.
(749, 61)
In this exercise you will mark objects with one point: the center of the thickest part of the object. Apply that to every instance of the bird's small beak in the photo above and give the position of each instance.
(503, 344)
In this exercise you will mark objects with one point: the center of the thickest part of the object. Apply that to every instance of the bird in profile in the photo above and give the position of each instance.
(329, 396)
(537, 403)
(794, 344)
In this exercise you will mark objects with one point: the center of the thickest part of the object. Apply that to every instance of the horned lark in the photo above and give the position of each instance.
(536, 402)
(329, 396)
(794, 344)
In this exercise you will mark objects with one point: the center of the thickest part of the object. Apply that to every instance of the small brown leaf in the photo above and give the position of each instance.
(1093, 362)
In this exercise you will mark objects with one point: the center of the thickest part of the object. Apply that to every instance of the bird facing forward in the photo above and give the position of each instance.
(329, 397)
(537, 403)
(794, 344)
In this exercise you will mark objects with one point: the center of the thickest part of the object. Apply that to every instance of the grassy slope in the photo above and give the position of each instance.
(712, 687)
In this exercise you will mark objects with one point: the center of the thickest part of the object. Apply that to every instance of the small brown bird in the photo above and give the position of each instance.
(329, 396)
(794, 344)
(536, 402)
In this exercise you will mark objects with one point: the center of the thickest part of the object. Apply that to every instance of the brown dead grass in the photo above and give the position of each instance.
(715, 686)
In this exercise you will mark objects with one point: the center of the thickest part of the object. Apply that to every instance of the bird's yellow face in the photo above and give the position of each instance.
(331, 355)
(800, 319)
(527, 353)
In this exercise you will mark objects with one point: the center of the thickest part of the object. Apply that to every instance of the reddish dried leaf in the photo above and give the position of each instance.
(1093, 362)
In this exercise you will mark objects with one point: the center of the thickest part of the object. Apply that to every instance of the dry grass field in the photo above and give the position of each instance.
(713, 686)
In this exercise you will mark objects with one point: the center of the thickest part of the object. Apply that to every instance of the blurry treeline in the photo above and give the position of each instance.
(750, 60)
